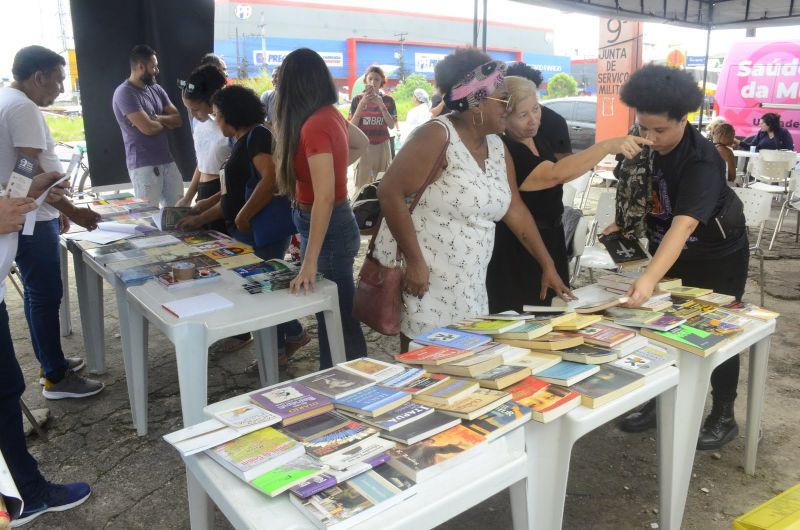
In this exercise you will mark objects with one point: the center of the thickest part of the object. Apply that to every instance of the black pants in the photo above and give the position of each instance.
(726, 275)
(208, 189)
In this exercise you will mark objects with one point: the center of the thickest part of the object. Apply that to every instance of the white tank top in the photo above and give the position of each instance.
(210, 146)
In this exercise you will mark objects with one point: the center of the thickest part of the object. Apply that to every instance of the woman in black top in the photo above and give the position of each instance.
(689, 236)
(513, 277)
(770, 135)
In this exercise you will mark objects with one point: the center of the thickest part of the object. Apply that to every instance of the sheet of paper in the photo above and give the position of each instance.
(127, 228)
(101, 237)
(30, 217)
(197, 305)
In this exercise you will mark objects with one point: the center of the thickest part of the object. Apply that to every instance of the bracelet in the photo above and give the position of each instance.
(5, 515)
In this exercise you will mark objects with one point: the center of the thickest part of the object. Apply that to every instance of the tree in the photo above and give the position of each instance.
(405, 89)
(561, 86)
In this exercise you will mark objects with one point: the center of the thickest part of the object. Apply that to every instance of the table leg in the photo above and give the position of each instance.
(135, 361)
(267, 355)
(333, 324)
(123, 312)
(91, 305)
(191, 354)
(201, 510)
(693, 383)
(65, 322)
(667, 465)
(520, 501)
(756, 383)
(549, 448)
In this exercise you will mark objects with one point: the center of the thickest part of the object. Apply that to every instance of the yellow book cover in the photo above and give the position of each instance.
(579, 322)
(779, 513)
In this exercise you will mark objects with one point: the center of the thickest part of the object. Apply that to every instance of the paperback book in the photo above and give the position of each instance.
(355, 454)
(432, 355)
(536, 361)
(500, 420)
(422, 429)
(332, 444)
(588, 354)
(607, 385)
(452, 338)
(395, 418)
(446, 393)
(425, 459)
(293, 402)
(372, 368)
(626, 251)
(372, 401)
(547, 402)
(555, 340)
(475, 404)
(646, 361)
(285, 476)
(468, 367)
(336, 383)
(424, 382)
(315, 426)
(579, 322)
(254, 454)
(502, 376)
(487, 327)
(530, 329)
(567, 373)
(332, 477)
(247, 416)
(604, 335)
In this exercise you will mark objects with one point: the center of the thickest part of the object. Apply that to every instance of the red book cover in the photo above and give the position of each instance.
(434, 355)
(541, 396)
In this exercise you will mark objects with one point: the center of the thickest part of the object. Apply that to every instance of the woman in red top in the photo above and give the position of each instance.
(315, 144)
(374, 113)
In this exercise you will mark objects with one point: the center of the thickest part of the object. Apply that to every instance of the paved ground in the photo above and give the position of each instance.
(139, 483)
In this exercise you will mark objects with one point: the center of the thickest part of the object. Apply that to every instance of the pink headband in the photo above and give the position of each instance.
(476, 86)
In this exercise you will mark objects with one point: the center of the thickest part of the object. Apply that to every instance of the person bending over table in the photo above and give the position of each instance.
(315, 145)
(448, 241)
(689, 237)
(513, 276)
(240, 115)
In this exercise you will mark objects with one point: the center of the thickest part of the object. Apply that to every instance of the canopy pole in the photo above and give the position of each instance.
(485, 22)
(475, 27)
(705, 75)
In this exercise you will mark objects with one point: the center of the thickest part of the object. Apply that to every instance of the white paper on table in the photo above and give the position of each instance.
(157, 219)
(30, 217)
(197, 305)
(126, 228)
(99, 236)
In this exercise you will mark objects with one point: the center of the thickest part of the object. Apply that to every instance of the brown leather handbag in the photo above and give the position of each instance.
(378, 298)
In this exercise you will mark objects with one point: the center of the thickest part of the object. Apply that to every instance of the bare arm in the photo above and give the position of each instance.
(191, 191)
(146, 125)
(357, 143)
(730, 162)
(668, 252)
(262, 193)
(547, 174)
(171, 119)
(521, 222)
(323, 179)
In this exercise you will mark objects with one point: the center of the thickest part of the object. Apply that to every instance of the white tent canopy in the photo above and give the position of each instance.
(703, 14)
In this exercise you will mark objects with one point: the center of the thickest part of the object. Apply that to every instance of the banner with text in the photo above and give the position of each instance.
(619, 55)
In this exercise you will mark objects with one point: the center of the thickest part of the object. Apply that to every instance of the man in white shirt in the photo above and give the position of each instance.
(38, 495)
(38, 80)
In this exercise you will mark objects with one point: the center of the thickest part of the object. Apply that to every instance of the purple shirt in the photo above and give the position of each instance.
(141, 150)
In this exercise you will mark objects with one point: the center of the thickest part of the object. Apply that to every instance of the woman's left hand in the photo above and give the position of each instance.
(243, 223)
(305, 280)
(551, 280)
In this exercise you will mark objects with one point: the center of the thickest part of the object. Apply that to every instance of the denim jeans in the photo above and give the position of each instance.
(22, 465)
(289, 330)
(39, 265)
(161, 185)
(336, 258)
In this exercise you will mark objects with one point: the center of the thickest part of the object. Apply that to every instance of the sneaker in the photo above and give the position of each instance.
(57, 498)
(75, 364)
(72, 386)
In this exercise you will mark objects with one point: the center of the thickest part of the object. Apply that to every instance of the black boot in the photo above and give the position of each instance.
(641, 420)
(719, 428)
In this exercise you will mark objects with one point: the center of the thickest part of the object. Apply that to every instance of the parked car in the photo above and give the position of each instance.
(580, 114)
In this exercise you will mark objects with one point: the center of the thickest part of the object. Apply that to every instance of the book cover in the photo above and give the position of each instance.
(631, 316)
(421, 383)
(595, 306)
(354, 500)
(264, 267)
(579, 322)
(432, 355)
(625, 251)
(171, 252)
(607, 385)
(500, 420)
(293, 402)
(604, 335)
(536, 361)
(630, 345)
(373, 400)
(372, 368)
(280, 479)
(664, 322)
(530, 329)
(487, 327)
(316, 426)
(475, 404)
(688, 338)
(547, 401)
(470, 366)
(716, 298)
(170, 216)
(420, 459)
(689, 292)
(555, 340)
(395, 418)
(452, 338)
(328, 445)
(256, 453)
(246, 416)
(647, 360)
(337, 383)
(421, 429)
(502, 376)
(234, 249)
(447, 392)
(567, 373)
(751, 311)
(330, 478)
(406, 376)
(237, 261)
(355, 454)
(588, 354)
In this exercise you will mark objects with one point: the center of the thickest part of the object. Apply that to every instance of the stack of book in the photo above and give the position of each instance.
(267, 276)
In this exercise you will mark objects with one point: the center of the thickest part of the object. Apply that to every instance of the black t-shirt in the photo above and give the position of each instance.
(554, 130)
(690, 180)
(236, 170)
(545, 205)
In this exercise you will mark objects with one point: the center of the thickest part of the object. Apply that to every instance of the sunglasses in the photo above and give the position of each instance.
(507, 102)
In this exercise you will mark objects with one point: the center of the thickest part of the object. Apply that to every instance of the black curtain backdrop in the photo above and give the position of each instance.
(180, 31)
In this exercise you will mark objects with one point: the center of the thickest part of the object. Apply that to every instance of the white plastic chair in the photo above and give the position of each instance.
(578, 246)
(595, 255)
(568, 195)
(757, 207)
(792, 202)
(582, 185)
(770, 173)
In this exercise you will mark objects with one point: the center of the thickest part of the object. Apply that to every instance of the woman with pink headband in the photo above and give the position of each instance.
(447, 242)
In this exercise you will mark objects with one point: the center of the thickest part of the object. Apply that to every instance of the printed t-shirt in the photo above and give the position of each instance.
(325, 131)
(372, 122)
(236, 171)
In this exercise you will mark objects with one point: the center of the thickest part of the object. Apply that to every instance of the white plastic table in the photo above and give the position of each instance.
(550, 448)
(695, 377)
(259, 313)
(437, 500)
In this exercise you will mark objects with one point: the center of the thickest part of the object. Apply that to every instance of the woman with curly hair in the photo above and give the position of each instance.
(689, 238)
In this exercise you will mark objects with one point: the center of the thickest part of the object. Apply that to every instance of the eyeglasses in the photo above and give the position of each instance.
(506, 101)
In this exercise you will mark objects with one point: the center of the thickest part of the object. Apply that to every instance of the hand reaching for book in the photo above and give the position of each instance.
(610, 229)
(551, 280)
(640, 291)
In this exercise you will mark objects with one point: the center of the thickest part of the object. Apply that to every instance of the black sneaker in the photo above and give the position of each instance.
(57, 498)
(75, 364)
(71, 386)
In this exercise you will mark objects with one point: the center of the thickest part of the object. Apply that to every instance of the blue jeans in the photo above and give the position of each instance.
(39, 265)
(336, 258)
(289, 330)
(23, 467)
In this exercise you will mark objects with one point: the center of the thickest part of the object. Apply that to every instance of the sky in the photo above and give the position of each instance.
(37, 22)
